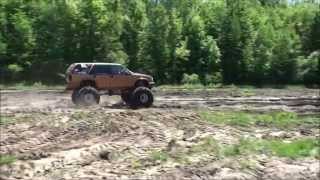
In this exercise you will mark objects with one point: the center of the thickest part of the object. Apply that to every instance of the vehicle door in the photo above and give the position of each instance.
(121, 78)
(101, 74)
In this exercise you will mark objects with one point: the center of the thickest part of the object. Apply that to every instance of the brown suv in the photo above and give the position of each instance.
(90, 80)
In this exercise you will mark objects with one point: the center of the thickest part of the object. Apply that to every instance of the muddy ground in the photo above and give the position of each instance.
(53, 139)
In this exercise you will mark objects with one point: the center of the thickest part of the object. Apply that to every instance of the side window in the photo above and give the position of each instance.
(76, 69)
(98, 69)
(81, 68)
(116, 70)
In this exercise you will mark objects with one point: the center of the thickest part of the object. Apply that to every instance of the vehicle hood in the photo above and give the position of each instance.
(143, 75)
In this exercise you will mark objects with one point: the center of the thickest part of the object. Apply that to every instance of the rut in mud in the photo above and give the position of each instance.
(53, 139)
(303, 101)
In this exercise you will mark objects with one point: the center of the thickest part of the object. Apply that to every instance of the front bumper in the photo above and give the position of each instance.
(151, 84)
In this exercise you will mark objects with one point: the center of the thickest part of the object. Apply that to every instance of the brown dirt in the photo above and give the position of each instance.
(54, 139)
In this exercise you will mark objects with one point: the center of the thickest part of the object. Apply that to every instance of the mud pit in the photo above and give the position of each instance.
(53, 139)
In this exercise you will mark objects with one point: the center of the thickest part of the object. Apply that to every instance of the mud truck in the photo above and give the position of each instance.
(89, 81)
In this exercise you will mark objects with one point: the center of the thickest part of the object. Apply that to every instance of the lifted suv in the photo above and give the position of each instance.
(90, 80)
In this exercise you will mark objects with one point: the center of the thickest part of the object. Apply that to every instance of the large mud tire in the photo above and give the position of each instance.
(89, 96)
(141, 97)
(75, 97)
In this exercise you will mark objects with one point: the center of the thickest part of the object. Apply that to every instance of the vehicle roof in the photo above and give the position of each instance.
(98, 63)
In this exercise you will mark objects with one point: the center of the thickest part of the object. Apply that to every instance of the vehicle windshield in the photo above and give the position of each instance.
(81, 68)
(125, 71)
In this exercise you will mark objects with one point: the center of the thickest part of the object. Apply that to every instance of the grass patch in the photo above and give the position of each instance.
(208, 145)
(7, 159)
(80, 115)
(8, 119)
(136, 164)
(161, 156)
(300, 148)
(277, 119)
(294, 149)
(5, 120)
(228, 118)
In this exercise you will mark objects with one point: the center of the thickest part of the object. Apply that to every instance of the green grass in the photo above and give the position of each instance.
(243, 147)
(228, 118)
(4, 120)
(7, 120)
(208, 145)
(136, 164)
(7, 159)
(293, 149)
(160, 155)
(300, 148)
(280, 120)
(80, 115)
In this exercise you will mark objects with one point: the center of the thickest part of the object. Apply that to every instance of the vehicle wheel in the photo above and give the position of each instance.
(142, 97)
(89, 96)
(126, 97)
(75, 97)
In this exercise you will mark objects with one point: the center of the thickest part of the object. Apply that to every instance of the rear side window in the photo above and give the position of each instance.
(70, 68)
(107, 69)
(81, 68)
(116, 70)
(77, 68)
(100, 69)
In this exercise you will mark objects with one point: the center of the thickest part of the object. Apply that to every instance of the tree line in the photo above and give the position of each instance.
(220, 41)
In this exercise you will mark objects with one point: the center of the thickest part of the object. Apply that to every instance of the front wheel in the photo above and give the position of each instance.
(89, 96)
(142, 97)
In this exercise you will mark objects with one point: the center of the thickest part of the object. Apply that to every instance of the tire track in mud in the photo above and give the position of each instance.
(96, 154)
(56, 101)
(258, 101)
(134, 134)
(300, 105)
(60, 140)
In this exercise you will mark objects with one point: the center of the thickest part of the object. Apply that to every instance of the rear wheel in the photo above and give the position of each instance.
(89, 96)
(75, 97)
(142, 97)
